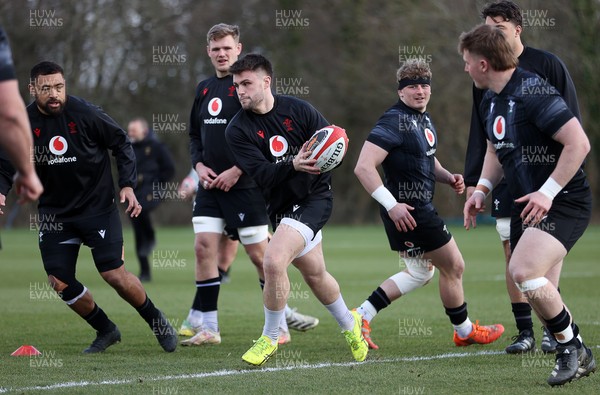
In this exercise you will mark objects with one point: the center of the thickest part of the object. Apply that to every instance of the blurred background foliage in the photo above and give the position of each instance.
(145, 57)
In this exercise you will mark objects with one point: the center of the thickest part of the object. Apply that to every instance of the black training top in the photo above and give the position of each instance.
(266, 144)
(71, 158)
(410, 139)
(520, 123)
(215, 104)
(543, 63)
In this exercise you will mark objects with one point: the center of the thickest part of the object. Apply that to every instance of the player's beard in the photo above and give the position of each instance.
(247, 103)
(252, 103)
(49, 110)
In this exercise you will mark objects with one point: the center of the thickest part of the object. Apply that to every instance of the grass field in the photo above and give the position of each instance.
(416, 354)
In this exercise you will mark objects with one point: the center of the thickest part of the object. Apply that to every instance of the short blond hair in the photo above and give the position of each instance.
(489, 42)
(414, 69)
(221, 30)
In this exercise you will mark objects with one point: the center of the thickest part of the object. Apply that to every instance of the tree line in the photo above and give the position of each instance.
(144, 58)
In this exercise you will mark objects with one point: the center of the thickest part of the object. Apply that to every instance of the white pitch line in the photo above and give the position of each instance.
(221, 373)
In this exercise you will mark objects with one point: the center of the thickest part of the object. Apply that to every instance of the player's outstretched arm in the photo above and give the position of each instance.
(370, 157)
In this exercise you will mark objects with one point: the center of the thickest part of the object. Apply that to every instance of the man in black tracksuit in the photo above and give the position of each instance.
(155, 167)
(72, 139)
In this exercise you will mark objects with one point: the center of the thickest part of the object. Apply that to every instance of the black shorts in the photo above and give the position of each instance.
(231, 233)
(430, 234)
(60, 247)
(239, 208)
(502, 202)
(313, 212)
(566, 221)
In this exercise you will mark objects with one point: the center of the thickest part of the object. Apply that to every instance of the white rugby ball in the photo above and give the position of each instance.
(329, 146)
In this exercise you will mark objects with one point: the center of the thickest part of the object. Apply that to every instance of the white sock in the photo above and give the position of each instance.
(342, 315)
(288, 310)
(464, 330)
(367, 311)
(272, 319)
(195, 318)
(283, 326)
(210, 320)
(565, 335)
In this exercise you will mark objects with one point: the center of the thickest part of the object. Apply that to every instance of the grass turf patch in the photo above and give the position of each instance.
(415, 337)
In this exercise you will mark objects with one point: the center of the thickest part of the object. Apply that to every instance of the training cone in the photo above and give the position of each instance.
(25, 351)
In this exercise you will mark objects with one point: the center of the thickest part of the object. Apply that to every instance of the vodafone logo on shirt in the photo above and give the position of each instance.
(58, 145)
(215, 105)
(430, 137)
(278, 146)
(499, 127)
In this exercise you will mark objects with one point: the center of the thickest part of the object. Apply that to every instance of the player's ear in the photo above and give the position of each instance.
(31, 89)
(484, 65)
(239, 48)
(267, 81)
(518, 30)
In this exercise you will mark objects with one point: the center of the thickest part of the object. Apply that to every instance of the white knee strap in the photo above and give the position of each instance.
(208, 224)
(76, 298)
(418, 273)
(532, 285)
(253, 234)
(503, 228)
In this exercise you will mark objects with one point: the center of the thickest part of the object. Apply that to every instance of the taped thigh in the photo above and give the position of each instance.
(503, 228)
(208, 224)
(253, 234)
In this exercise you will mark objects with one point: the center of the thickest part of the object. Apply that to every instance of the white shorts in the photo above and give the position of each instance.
(310, 239)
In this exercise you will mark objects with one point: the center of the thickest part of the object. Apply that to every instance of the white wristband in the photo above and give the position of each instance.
(384, 197)
(480, 191)
(486, 183)
(550, 188)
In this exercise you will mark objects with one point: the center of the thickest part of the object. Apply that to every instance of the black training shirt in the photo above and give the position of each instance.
(543, 63)
(215, 104)
(265, 145)
(410, 139)
(520, 123)
(71, 158)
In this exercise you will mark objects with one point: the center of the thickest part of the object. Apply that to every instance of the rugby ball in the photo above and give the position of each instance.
(329, 146)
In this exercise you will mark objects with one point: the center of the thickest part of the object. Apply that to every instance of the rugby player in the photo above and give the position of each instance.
(404, 143)
(267, 138)
(552, 198)
(72, 139)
